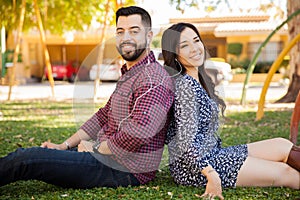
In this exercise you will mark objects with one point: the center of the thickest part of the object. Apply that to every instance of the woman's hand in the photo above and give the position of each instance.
(85, 146)
(213, 186)
(51, 145)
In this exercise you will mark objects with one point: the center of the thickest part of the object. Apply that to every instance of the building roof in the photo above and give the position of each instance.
(234, 24)
(246, 28)
(220, 19)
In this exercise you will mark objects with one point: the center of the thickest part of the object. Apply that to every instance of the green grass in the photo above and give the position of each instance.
(26, 124)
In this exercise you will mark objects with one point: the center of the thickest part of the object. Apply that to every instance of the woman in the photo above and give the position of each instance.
(195, 153)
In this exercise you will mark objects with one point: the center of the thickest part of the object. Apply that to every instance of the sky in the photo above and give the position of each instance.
(161, 10)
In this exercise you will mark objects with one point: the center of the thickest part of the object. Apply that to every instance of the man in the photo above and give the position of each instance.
(122, 143)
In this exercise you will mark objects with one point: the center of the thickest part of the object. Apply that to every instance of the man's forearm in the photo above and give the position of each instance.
(104, 149)
(75, 139)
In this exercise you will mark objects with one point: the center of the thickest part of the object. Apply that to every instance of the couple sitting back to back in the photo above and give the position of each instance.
(122, 143)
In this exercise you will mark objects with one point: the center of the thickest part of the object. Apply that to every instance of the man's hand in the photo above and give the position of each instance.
(85, 146)
(51, 145)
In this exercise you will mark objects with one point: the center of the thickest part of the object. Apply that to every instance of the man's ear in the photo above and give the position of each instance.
(149, 37)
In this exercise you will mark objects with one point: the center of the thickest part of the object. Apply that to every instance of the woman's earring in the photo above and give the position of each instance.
(179, 65)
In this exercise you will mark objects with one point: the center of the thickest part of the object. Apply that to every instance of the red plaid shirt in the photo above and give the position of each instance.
(134, 121)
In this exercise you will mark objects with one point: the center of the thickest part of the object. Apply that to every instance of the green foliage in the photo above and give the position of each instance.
(8, 55)
(235, 48)
(26, 124)
(242, 64)
(58, 16)
(209, 5)
(7, 14)
(181, 4)
(260, 67)
(263, 67)
(156, 42)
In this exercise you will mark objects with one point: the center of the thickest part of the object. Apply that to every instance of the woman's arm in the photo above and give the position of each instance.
(186, 142)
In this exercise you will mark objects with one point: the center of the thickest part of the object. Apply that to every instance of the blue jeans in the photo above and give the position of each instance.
(69, 169)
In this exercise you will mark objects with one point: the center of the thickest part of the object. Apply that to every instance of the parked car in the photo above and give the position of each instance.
(107, 72)
(61, 71)
(216, 68)
(219, 71)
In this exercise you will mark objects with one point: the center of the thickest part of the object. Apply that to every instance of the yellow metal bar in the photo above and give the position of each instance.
(273, 69)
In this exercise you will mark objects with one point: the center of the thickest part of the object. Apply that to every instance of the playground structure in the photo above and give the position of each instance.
(255, 57)
(294, 124)
(274, 67)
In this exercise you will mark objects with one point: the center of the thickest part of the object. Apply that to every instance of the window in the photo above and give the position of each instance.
(269, 53)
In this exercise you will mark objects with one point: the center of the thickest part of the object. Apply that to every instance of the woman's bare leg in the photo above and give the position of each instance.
(276, 149)
(264, 173)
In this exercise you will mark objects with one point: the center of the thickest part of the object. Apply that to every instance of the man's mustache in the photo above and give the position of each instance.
(127, 43)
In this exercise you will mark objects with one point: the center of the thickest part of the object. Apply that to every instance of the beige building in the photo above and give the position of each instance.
(72, 46)
(250, 30)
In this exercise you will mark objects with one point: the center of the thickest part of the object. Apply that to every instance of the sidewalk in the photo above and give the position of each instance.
(62, 91)
(234, 91)
(85, 90)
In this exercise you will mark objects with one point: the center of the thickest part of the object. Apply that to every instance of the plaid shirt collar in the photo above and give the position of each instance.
(150, 58)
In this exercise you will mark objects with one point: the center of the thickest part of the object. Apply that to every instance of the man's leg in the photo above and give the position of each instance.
(63, 168)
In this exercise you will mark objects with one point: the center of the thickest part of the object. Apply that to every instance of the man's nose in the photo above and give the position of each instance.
(126, 36)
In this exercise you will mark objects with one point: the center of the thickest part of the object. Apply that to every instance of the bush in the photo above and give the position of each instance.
(235, 48)
(260, 67)
(243, 64)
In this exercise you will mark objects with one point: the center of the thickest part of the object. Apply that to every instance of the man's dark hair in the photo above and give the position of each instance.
(134, 10)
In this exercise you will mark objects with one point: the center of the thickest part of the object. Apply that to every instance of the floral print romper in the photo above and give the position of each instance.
(193, 141)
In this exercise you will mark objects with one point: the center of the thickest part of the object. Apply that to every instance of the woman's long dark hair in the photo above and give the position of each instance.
(170, 43)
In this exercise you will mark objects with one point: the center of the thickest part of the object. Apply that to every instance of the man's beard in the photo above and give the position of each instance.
(131, 55)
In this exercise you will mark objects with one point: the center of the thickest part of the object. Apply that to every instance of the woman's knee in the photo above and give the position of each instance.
(287, 176)
(282, 141)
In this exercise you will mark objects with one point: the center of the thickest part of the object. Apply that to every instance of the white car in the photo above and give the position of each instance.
(218, 71)
(107, 72)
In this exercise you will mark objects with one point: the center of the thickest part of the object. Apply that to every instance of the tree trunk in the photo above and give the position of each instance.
(101, 50)
(292, 92)
(43, 42)
(294, 29)
(12, 70)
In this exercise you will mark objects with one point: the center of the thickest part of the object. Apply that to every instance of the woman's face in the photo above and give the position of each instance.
(190, 49)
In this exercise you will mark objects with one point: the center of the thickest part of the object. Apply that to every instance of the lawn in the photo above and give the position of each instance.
(27, 123)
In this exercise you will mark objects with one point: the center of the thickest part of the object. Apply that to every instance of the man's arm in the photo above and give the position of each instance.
(72, 141)
(97, 121)
(87, 131)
